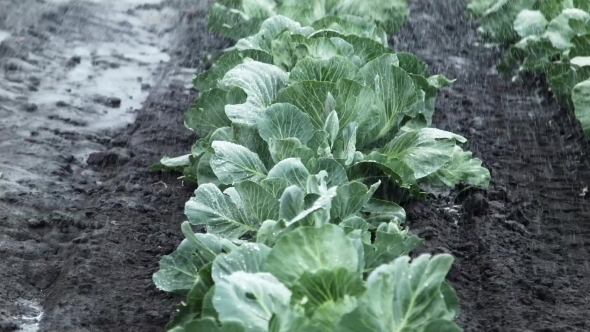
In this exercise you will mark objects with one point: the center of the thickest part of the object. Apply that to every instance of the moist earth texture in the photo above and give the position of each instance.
(83, 224)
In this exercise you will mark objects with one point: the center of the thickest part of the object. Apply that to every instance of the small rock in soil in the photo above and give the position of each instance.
(476, 204)
(8, 326)
(478, 122)
(61, 103)
(73, 61)
(18, 64)
(35, 81)
(515, 226)
(545, 294)
(498, 206)
(31, 107)
(35, 223)
(114, 156)
(145, 87)
(112, 102)
(428, 232)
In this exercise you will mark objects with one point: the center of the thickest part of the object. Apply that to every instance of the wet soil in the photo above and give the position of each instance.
(86, 246)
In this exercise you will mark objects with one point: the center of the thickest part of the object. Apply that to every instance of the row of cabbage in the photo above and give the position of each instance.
(550, 37)
(311, 130)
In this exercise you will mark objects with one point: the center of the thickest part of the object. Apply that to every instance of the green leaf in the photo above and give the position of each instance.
(269, 30)
(192, 307)
(251, 299)
(228, 60)
(282, 120)
(451, 300)
(530, 22)
(581, 49)
(308, 249)
(261, 203)
(379, 211)
(275, 186)
(442, 326)
(395, 91)
(248, 137)
(411, 64)
(312, 290)
(290, 148)
(205, 324)
(261, 82)
(370, 171)
(461, 169)
(398, 295)
(292, 170)
(366, 49)
(439, 81)
(353, 101)
(351, 25)
(181, 161)
(332, 127)
(208, 112)
(425, 151)
(391, 242)
(349, 200)
(180, 270)
(498, 16)
(240, 18)
(336, 172)
(234, 163)
(204, 172)
(345, 146)
(331, 70)
(221, 214)
(249, 257)
(292, 203)
(559, 31)
(208, 310)
(390, 15)
(224, 134)
(581, 100)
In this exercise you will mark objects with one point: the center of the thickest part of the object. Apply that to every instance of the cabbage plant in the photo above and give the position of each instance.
(554, 41)
(304, 125)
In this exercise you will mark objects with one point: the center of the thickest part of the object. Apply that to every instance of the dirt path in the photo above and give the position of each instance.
(79, 241)
(82, 224)
(522, 259)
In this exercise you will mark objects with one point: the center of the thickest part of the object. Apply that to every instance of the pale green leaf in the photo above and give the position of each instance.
(269, 30)
(581, 100)
(461, 169)
(395, 90)
(530, 22)
(283, 120)
(292, 203)
(261, 203)
(401, 296)
(261, 82)
(290, 148)
(331, 70)
(309, 249)
(292, 170)
(249, 257)
(234, 163)
(219, 213)
(228, 60)
(208, 112)
(251, 299)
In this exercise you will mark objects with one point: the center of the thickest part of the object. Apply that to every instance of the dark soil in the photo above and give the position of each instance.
(521, 246)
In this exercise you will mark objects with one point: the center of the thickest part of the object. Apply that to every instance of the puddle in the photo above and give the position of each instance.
(30, 317)
(4, 35)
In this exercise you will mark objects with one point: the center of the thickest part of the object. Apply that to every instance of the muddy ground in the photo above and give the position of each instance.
(81, 232)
